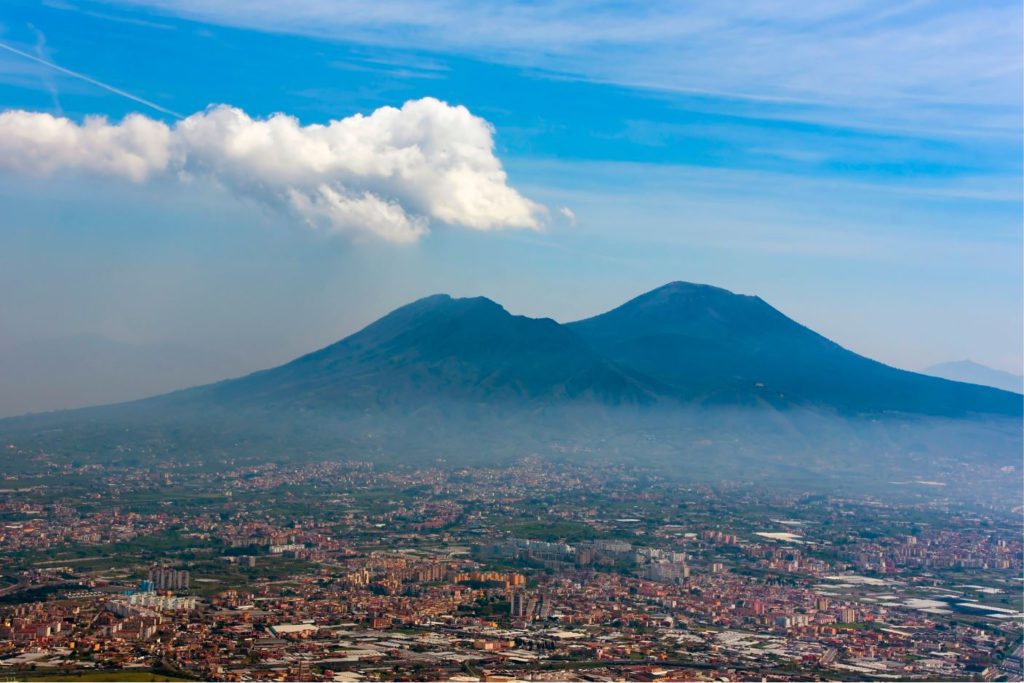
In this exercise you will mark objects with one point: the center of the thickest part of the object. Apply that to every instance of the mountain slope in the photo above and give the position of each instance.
(440, 348)
(975, 373)
(693, 380)
(718, 348)
(681, 344)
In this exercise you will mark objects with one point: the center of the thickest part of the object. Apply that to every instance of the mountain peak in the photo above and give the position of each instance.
(713, 345)
(442, 347)
(683, 287)
(679, 289)
(435, 301)
(691, 309)
(435, 308)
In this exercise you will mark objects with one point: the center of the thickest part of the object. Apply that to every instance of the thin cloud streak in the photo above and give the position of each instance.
(937, 64)
(93, 81)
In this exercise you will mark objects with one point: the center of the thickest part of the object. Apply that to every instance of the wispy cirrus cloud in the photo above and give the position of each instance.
(386, 175)
(936, 63)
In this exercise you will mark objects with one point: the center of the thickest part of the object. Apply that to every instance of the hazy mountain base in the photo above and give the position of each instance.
(894, 455)
(695, 381)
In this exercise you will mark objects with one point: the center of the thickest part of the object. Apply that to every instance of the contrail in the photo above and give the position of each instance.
(85, 78)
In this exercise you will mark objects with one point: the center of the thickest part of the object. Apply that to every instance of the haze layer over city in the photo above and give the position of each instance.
(511, 341)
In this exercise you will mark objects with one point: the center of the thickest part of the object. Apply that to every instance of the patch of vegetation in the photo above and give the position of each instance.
(554, 531)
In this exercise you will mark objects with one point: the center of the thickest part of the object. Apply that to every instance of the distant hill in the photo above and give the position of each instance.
(975, 373)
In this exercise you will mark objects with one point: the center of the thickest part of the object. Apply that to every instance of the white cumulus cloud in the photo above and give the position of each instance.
(41, 144)
(388, 174)
(366, 212)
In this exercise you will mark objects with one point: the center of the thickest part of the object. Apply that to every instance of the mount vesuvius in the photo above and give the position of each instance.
(688, 375)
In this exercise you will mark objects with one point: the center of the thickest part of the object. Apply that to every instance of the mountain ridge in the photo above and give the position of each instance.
(683, 343)
(695, 381)
(469, 348)
(705, 340)
(975, 373)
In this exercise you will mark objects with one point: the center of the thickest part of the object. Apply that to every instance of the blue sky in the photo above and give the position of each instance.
(858, 166)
